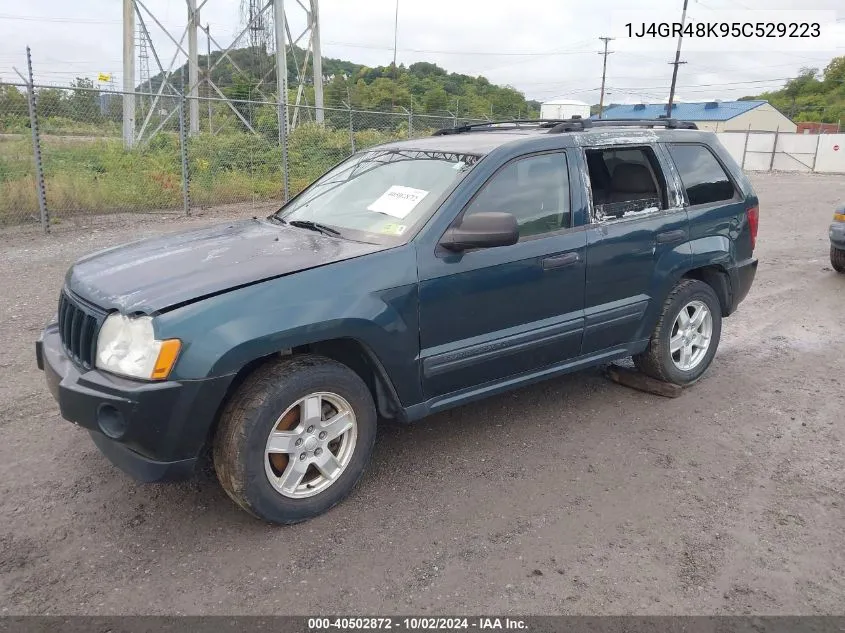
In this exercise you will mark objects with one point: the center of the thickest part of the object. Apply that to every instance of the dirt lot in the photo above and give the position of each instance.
(572, 496)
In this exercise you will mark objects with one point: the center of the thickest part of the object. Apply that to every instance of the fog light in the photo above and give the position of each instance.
(111, 421)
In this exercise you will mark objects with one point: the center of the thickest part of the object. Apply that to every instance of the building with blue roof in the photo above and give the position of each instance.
(717, 116)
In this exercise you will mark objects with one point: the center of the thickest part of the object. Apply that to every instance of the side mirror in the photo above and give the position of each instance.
(482, 230)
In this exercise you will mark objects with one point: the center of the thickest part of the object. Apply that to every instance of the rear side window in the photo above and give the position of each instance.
(626, 182)
(703, 176)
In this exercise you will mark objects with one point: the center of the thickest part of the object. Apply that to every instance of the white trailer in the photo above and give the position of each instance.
(564, 109)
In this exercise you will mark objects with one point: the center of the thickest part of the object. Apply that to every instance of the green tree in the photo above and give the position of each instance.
(436, 100)
(834, 75)
(807, 98)
(420, 86)
(51, 102)
(12, 100)
(84, 101)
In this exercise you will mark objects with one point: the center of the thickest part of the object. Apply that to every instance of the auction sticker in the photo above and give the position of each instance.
(398, 201)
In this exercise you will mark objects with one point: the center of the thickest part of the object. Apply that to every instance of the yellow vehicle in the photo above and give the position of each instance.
(837, 240)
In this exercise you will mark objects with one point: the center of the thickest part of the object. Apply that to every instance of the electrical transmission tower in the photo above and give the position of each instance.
(260, 30)
(267, 30)
(143, 67)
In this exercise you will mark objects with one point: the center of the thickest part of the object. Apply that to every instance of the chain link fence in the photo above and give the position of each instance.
(174, 155)
(18, 193)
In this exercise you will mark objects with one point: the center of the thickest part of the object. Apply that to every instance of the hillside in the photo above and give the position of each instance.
(422, 86)
(812, 95)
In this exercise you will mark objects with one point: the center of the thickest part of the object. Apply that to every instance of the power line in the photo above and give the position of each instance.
(558, 87)
(729, 83)
(454, 52)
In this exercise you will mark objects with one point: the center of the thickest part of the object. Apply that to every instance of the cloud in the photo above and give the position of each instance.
(549, 49)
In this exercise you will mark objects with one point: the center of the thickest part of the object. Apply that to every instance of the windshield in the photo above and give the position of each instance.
(381, 193)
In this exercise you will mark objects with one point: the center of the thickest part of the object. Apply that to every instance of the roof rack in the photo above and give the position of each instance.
(513, 123)
(575, 124)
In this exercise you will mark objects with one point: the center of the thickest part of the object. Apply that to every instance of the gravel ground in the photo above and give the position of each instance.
(572, 496)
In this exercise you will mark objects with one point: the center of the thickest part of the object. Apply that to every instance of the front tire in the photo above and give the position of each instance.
(686, 336)
(295, 438)
(837, 259)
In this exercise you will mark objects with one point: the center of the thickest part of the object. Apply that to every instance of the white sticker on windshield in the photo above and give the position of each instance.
(398, 201)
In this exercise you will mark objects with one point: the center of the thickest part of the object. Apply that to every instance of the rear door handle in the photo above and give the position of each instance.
(669, 237)
(559, 261)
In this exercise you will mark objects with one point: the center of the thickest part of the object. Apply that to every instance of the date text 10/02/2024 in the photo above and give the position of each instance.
(421, 623)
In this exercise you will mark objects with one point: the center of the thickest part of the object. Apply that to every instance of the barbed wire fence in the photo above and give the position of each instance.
(232, 160)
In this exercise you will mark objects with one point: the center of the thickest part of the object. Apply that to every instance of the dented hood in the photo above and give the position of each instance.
(154, 274)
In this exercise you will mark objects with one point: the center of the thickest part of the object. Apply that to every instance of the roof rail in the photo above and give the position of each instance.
(576, 124)
(672, 124)
(514, 123)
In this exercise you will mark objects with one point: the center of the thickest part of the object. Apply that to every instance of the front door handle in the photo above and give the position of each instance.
(669, 237)
(559, 261)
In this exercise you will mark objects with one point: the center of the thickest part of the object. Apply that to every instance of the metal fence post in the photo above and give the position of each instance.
(410, 122)
(348, 106)
(183, 145)
(745, 147)
(283, 141)
(351, 130)
(774, 149)
(40, 189)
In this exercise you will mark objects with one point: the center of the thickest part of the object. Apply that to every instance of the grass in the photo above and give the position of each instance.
(96, 175)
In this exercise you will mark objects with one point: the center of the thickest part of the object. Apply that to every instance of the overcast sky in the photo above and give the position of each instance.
(549, 51)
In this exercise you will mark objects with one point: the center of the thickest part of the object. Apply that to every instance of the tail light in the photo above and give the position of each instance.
(753, 214)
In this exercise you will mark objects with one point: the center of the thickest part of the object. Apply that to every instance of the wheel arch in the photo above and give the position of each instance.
(360, 358)
(350, 352)
(715, 276)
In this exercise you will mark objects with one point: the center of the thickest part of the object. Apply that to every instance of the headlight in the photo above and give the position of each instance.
(127, 346)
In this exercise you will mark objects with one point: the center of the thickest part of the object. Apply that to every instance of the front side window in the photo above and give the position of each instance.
(703, 177)
(534, 189)
(379, 195)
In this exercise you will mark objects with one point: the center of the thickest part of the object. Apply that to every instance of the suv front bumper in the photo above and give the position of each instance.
(154, 431)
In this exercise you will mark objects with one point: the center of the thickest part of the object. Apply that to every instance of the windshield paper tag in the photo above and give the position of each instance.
(393, 229)
(398, 201)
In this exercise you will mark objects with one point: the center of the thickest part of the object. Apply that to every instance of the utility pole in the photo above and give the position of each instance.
(128, 73)
(279, 22)
(208, 72)
(603, 72)
(193, 70)
(395, 40)
(317, 61)
(677, 62)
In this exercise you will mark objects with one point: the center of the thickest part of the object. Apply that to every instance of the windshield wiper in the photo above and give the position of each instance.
(314, 226)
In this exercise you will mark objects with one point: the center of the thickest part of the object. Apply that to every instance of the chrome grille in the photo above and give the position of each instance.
(78, 327)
